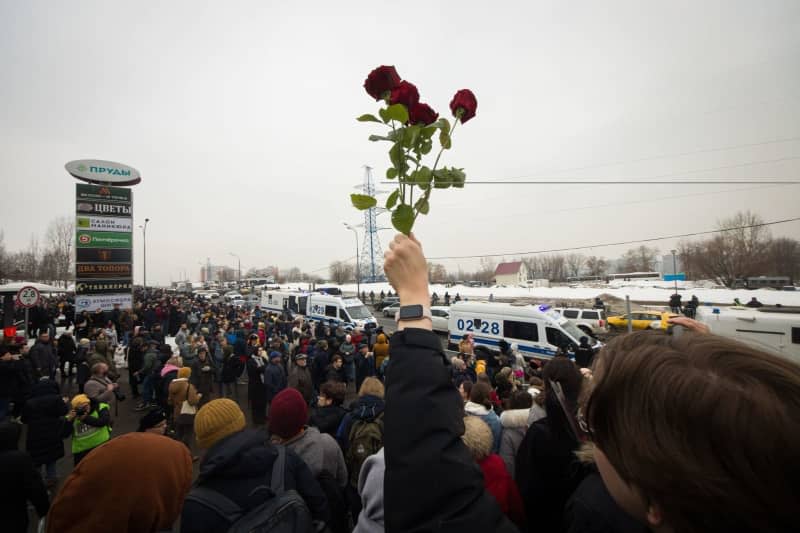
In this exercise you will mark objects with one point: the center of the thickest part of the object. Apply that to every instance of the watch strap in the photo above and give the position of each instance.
(426, 313)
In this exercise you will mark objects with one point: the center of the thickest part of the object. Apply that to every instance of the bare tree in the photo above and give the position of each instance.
(485, 273)
(784, 258)
(597, 266)
(640, 259)
(436, 273)
(60, 237)
(293, 274)
(575, 264)
(341, 272)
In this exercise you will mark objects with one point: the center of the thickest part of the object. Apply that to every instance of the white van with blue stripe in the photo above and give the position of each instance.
(335, 310)
(538, 330)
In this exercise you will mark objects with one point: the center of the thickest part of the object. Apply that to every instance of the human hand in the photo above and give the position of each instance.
(71, 415)
(407, 270)
(6, 357)
(110, 387)
(690, 324)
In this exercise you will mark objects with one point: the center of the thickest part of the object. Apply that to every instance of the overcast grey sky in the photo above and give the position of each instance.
(240, 117)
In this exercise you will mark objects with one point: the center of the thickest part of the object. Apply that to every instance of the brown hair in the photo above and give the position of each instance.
(706, 427)
(371, 386)
(480, 394)
(333, 390)
(520, 400)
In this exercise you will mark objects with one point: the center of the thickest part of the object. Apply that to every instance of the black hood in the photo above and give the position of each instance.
(9, 436)
(45, 387)
(367, 407)
(238, 456)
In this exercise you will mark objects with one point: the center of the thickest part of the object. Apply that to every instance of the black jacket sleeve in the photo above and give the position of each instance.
(299, 476)
(34, 488)
(103, 418)
(432, 483)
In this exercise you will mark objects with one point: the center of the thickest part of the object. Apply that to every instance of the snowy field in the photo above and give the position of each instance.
(642, 291)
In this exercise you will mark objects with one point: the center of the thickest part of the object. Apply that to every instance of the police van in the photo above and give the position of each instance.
(348, 312)
(538, 330)
(775, 329)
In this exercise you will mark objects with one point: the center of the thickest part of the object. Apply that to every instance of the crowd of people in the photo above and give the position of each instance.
(356, 430)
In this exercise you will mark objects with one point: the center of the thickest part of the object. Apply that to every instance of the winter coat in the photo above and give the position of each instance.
(43, 359)
(424, 443)
(96, 388)
(66, 348)
(203, 380)
(44, 415)
(380, 349)
(178, 393)
(319, 366)
(321, 453)
(347, 349)
(14, 378)
(499, 484)
(366, 408)
(370, 488)
(231, 366)
(328, 419)
(491, 419)
(591, 509)
(20, 483)
(337, 376)
(547, 471)
(365, 367)
(274, 380)
(256, 391)
(238, 465)
(515, 425)
(300, 379)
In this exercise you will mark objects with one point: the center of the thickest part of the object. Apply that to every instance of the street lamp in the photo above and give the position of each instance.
(675, 270)
(144, 256)
(358, 266)
(240, 266)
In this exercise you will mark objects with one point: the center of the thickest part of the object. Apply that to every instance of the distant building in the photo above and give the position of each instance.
(217, 273)
(513, 273)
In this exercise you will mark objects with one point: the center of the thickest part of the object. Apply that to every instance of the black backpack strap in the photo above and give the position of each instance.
(217, 502)
(279, 471)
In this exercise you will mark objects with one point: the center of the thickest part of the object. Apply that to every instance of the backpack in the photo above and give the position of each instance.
(285, 512)
(365, 439)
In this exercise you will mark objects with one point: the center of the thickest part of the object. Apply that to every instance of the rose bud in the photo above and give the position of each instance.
(464, 105)
(381, 81)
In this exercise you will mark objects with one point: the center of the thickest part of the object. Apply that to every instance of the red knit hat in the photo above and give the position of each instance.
(288, 413)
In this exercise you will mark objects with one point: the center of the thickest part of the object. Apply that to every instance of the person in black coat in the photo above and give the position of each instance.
(319, 363)
(365, 364)
(335, 371)
(14, 381)
(66, 354)
(256, 391)
(44, 415)
(239, 465)
(584, 354)
(329, 412)
(591, 509)
(20, 483)
(423, 423)
(546, 468)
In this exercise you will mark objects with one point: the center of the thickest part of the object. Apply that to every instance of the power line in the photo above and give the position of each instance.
(654, 180)
(605, 245)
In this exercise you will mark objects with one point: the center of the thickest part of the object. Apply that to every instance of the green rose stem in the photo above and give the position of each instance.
(435, 164)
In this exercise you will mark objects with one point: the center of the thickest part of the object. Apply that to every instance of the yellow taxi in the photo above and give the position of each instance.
(642, 320)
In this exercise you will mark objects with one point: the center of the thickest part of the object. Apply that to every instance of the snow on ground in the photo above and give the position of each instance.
(642, 291)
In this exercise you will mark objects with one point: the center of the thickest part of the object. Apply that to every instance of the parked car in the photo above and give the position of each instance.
(642, 320)
(440, 318)
(386, 302)
(590, 321)
(391, 309)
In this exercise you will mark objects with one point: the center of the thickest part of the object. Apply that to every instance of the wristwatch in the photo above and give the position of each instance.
(413, 312)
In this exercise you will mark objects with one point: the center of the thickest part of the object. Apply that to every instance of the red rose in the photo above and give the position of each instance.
(405, 93)
(465, 101)
(381, 81)
(422, 114)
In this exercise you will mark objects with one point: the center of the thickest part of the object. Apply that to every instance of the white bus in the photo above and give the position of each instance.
(349, 312)
(538, 330)
(775, 329)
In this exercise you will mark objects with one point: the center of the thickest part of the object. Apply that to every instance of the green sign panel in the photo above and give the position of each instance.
(103, 239)
(102, 193)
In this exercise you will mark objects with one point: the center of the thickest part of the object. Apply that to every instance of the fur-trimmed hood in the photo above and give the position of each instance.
(476, 409)
(515, 418)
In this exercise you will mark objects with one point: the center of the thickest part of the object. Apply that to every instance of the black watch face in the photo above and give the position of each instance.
(410, 312)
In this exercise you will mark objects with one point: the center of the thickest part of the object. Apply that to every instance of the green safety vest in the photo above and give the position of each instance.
(86, 437)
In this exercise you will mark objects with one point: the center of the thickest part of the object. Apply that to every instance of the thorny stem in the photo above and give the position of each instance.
(435, 164)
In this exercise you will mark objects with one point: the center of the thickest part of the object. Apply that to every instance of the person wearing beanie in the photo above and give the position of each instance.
(20, 482)
(300, 378)
(110, 491)
(182, 390)
(89, 424)
(288, 425)
(274, 377)
(155, 421)
(236, 464)
(479, 440)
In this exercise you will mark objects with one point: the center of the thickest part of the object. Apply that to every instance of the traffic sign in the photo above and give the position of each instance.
(28, 296)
